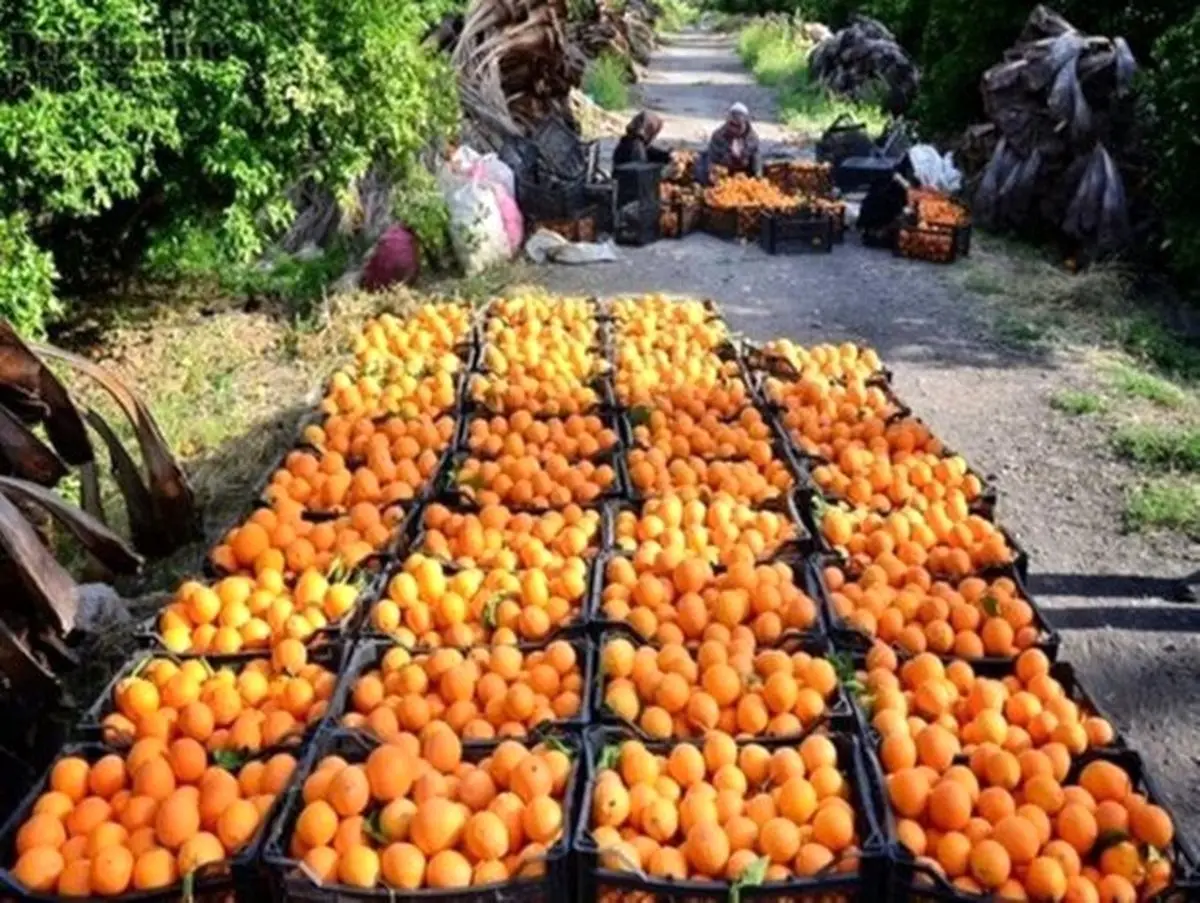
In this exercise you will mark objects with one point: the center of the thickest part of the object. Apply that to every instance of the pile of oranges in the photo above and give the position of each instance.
(480, 694)
(723, 530)
(688, 601)
(715, 810)
(499, 537)
(110, 824)
(414, 813)
(669, 691)
(503, 528)
(265, 702)
(240, 613)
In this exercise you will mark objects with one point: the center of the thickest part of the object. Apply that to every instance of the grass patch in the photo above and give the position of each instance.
(778, 57)
(606, 82)
(1148, 339)
(1076, 403)
(1160, 447)
(1164, 505)
(1140, 384)
(676, 16)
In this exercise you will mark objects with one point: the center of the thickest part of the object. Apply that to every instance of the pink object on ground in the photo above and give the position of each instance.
(396, 258)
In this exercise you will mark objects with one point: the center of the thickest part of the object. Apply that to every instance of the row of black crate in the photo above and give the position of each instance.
(884, 871)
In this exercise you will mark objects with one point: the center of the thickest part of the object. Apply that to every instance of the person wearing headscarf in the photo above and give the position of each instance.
(637, 144)
(734, 145)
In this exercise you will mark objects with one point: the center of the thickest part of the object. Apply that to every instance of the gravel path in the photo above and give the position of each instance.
(1061, 495)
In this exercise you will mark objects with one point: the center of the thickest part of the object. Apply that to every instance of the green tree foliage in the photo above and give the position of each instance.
(206, 113)
(26, 279)
(1173, 89)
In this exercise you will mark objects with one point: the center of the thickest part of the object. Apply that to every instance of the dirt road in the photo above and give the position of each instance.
(1060, 488)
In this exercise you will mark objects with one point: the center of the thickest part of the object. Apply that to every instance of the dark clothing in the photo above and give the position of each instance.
(634, 149)
(720, 151)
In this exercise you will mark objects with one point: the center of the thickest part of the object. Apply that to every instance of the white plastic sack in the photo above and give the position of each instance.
(934, 170)
(477, 231)
(466, 162)
(545, 245)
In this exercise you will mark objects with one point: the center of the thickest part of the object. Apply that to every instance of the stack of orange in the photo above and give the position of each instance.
(825, 417)
(536, 307)
(540, 357)
(431, 329)
(356, 438)
(710, 811)
(426, 606)
(842, 363)
(717, 391)
(741, 190)
(555, 396)
(573, 437)
(247, 708)
(414, 814)
(679, 434)
(323, 481)
(1016, 828)
(689, 602)
(480, 694)
(282, 540)
(527, 480)
(927, 710)
(143, 820)
(393, 391)
(758, 479)
(660, 314)
(671, 691)
(243, 613)
(403, 367)
(498, 537)
(968, 617)
(945, 539)
(722, 530)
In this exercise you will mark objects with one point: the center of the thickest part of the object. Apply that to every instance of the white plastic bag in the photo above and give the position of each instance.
(485, 167)
(934, 170)
(545, 245)
(477, 231)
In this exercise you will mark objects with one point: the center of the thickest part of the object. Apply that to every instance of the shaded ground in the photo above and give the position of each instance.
(1061, 488)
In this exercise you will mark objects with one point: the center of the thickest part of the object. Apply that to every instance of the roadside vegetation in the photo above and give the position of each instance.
(778, 56)
(1143, 386)
(606, 81)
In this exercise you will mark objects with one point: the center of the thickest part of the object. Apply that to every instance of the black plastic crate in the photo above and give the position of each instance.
(291, 882)
(542, 201)
(369, 654)
(239, 878)
(933, 243)
(783, 233)
(637, 183)
(913, 881)
(638, 223)
(597, 883)
(732, 223)
(603, 197)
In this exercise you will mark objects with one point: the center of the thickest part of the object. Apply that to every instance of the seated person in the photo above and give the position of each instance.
(735, 145)
(636, 146)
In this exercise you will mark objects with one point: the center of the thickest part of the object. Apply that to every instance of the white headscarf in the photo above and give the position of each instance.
(739, 107)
